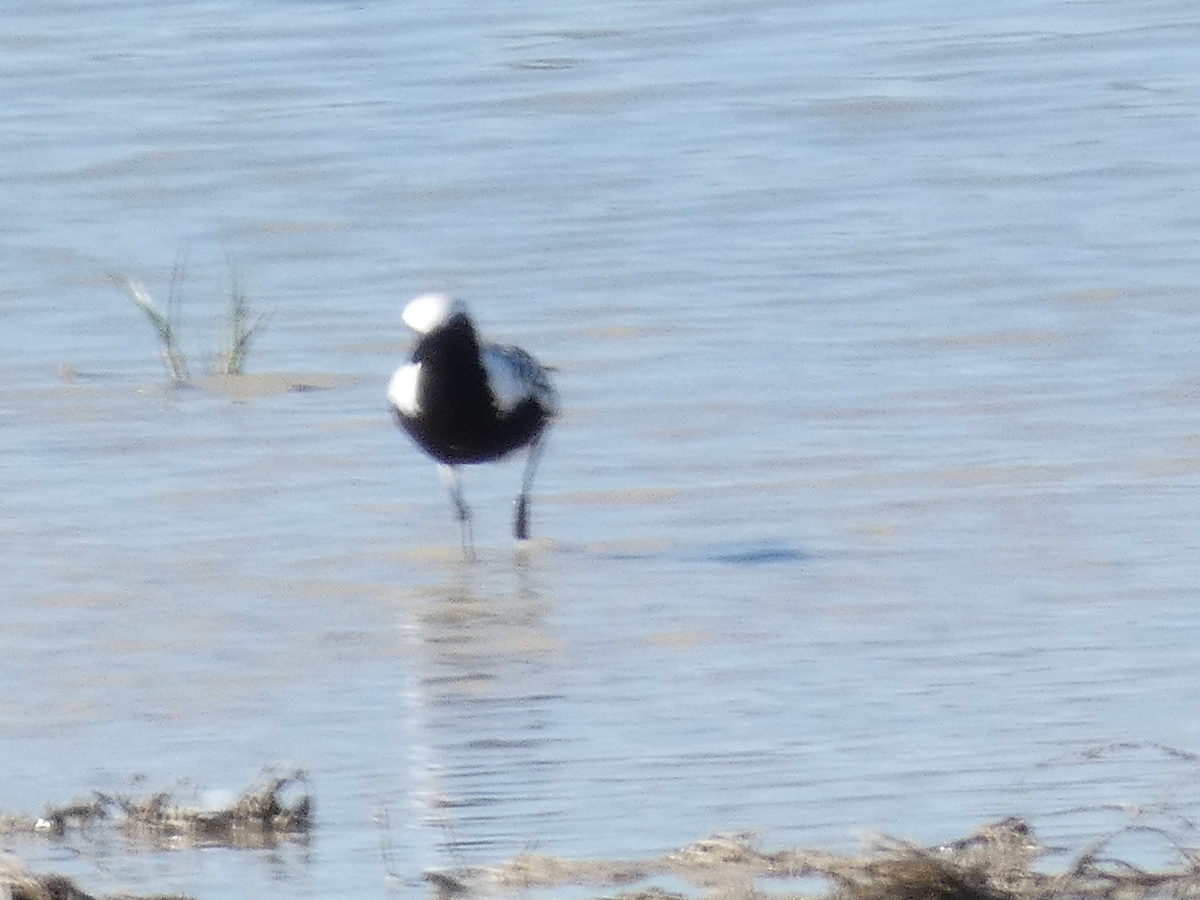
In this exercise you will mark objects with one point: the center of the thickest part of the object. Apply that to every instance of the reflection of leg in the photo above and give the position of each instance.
(461, 511)
(521, 520)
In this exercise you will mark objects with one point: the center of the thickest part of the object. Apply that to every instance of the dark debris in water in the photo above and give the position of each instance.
(997, 862)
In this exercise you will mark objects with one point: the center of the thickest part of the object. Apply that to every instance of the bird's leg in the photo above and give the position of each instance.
(521, 519)
(461, 511)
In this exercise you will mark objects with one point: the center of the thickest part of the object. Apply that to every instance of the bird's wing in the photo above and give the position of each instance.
(513, 376)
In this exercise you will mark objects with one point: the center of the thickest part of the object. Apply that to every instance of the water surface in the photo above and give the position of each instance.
(871, 508)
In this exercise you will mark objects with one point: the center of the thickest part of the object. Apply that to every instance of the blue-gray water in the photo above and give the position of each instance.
(873, 507)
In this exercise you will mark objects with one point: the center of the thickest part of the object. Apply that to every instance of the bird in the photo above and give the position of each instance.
(464, 401)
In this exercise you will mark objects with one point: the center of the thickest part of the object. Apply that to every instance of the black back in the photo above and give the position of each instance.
(459, 421)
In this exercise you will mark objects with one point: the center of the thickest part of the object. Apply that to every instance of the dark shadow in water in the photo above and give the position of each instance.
(752, 553)
(734, 553)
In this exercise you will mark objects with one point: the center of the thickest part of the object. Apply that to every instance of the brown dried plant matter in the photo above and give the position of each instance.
(278, 808)
(997, 862)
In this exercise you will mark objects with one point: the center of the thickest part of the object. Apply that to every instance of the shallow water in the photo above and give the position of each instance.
(872, 506)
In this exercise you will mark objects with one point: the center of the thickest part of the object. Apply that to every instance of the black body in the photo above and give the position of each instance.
(459, 421)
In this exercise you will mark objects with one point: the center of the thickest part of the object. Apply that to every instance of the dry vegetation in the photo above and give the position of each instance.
(997, 862)
(1002, 860)
(260, 817)
(277, 809)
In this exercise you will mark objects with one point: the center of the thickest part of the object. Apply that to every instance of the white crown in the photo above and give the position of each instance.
(429, 311)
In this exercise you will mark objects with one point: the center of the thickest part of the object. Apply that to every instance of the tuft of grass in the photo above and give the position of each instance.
(241, 324)
(168, 337)
(239, 328)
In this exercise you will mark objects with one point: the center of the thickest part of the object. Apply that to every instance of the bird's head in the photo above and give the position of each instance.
(430, 311)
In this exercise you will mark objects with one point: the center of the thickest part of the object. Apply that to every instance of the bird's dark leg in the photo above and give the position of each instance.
(461, 511)
(521, 519)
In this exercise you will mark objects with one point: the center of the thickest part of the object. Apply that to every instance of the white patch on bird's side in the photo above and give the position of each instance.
(430, 311)
(402, 389)
(505, 378)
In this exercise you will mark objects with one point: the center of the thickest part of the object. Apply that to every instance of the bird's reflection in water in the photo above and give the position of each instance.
(484, 699)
